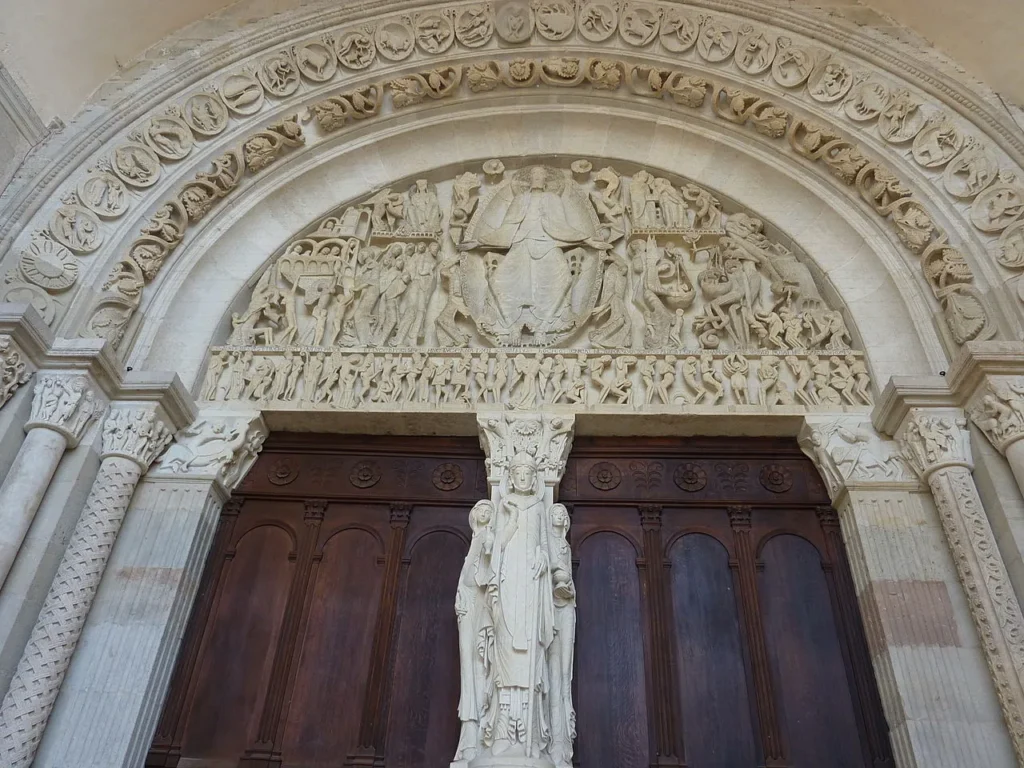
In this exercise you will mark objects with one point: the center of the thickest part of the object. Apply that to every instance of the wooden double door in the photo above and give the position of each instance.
(717, 621)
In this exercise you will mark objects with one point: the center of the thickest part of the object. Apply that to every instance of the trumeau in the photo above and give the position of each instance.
(833, 108)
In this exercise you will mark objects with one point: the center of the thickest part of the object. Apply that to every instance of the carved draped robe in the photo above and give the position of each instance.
(532, 282)
(524, 623)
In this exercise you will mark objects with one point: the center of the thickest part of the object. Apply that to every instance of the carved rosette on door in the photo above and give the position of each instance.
(542, 285)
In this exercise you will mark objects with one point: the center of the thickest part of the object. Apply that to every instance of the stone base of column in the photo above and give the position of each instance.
(503, 761)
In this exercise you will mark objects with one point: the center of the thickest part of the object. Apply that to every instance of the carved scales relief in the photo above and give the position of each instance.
(642, 290)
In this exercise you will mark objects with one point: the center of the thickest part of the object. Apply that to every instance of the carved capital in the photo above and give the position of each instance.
(135, 433)
(546, 437)
(849, 452)
(740, 518)
(64, 403)
(218, 446)
(14, 368)
(999, 411)
(650, 517)
(232, 507)
(932, 440)
(315, 509)
(400, 514)
(828, 518)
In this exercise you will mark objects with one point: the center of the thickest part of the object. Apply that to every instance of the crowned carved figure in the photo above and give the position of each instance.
(516, 608)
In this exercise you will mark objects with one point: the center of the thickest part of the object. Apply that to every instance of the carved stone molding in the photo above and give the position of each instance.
(64, 403)
(883, 109)
(218, 446)
(944, 267)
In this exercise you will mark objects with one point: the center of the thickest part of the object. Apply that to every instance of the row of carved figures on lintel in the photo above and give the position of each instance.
(343, 380)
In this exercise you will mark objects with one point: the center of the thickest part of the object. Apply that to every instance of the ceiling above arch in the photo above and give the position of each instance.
(933, 164)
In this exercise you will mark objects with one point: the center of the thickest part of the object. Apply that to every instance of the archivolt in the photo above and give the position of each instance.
(115, 220)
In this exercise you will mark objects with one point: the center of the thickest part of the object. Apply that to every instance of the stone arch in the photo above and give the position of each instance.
(686, 74)
(191, 310)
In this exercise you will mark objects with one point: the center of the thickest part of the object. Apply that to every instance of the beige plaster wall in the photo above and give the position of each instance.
(60, 51)
(983, 36)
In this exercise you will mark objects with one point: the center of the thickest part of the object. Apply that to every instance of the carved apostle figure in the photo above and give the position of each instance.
(476, 630)
(563, 714)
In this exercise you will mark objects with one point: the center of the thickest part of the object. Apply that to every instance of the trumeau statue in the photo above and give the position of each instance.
(592, 263)
(516, 604)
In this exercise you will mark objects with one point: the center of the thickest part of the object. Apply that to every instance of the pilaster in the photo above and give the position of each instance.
(939, 702)
(111, 699)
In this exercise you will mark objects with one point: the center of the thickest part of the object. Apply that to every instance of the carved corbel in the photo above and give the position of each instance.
(219, 446)
(849, 453)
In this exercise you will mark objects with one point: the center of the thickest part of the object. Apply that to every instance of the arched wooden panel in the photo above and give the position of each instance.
(612, 723)
(235, 662)
(718, 728)
(324, 713)
(423, 723)
(811, 684)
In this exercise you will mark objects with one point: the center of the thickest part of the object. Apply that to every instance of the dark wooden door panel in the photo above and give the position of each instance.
(718, 726)
(814, 692)
(335, 650)
(612, 722)
(717, 622)
(235, 666)
(423, 724)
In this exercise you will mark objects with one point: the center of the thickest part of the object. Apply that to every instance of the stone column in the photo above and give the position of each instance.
(132, 438)
(942, 709)
(63, 407)
(114, 690)
(516, 586)
(936, 444)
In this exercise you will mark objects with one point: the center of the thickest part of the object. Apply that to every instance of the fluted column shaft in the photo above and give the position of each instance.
(132, 439)
(62, 409)
(24, 488)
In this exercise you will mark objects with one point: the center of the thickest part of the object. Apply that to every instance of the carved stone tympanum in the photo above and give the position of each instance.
(641, 292)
